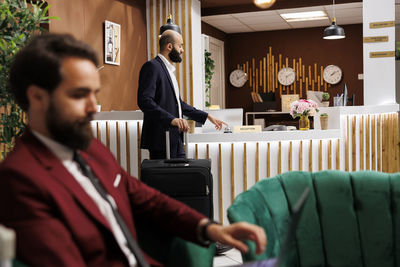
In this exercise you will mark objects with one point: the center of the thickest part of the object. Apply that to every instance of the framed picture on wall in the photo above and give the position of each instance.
(112, 42)
(397, 50)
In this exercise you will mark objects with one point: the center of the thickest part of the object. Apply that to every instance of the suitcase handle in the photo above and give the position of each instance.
(168, 145)
(176, 161)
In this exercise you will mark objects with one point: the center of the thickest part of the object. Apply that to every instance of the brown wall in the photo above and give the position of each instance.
(305, 43)
(85, 20)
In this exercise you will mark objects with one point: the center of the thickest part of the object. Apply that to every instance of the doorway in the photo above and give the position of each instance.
(217, 91)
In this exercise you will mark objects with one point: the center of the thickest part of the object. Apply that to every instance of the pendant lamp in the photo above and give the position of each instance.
(334, 31)
(264, 3)
(170, 25)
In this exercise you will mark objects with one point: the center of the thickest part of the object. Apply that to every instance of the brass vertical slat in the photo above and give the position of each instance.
(353, 144)
(318, 83)
(221, 206)
(290, 156)
(98, 133)
(118, 142)
(265, 76)
(107, 135)
(232, 172)
(301, 88)
(268, 160)
(330, 155)
(261, 73)
(322, 75)
(396, 142)
(257, 162)
(373, 156)
(207, 151)
(272, 73)
(139, 152)
(251, 80)
(276, 76)
(338, 154)
(309, 75)
(244, 167)
(320, 155)
(177, 18)
(157, 15)
(310, 156)
(379, 143)
(391, 144)
(315, 71)
(185, 44)
(190, 54)
(128, 150)
(368, 144)
(152, 35)
(279, 158)
(362, 143)
(384, 143)
(301, 156)
(346, 146)
(196, 151)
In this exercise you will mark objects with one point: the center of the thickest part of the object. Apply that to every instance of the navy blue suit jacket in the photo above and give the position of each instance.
(157, 100)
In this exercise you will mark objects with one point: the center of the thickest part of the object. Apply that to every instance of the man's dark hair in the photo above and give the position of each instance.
(165, 40)
(39, 63)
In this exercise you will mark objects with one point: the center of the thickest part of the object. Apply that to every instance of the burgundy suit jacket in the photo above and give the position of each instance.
(58, 224)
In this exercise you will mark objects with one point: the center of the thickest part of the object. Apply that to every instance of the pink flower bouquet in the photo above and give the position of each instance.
(303, 107)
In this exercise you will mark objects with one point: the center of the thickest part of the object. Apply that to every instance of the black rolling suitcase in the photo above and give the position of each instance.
(187, 180)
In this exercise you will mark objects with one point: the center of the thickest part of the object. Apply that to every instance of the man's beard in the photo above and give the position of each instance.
(73, 134)
(174, 56)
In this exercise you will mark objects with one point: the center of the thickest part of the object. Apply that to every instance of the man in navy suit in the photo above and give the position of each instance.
(158, 98)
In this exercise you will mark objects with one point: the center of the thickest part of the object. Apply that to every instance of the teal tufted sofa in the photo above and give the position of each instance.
(350, 219)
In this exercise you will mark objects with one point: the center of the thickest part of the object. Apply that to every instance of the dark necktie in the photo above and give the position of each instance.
(134, 247)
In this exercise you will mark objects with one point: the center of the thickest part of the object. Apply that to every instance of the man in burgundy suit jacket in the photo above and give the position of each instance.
(59, 217)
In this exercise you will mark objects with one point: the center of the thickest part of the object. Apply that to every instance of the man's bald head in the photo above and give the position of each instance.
(169, 37)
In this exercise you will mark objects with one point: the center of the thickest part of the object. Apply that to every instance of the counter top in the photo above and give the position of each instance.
(263, 136)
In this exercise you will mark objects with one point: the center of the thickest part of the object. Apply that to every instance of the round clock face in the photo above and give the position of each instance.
(286, 76)
(238, 78)
(332, 74)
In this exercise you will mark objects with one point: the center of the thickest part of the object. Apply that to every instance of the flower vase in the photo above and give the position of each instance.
(304, 123)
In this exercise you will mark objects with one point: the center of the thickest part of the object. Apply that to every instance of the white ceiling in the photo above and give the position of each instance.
(270, 20)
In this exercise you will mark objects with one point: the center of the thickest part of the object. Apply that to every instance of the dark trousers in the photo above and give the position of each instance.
(176, 152)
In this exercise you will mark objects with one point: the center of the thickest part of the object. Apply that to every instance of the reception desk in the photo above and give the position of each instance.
(358, 138)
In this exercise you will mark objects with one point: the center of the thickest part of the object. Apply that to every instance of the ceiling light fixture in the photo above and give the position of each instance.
(334, 32)
(304, 16)
(264, 3)
(170, 25)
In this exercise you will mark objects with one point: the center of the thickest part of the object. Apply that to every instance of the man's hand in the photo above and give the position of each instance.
(182, 124)
(235, 233)
(218, 123)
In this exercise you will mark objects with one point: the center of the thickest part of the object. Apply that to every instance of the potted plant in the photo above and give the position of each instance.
(18, 22)
(324, 121)
(209, 71)
(325, 99)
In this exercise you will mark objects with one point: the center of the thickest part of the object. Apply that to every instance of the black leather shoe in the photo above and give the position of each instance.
(221, 248)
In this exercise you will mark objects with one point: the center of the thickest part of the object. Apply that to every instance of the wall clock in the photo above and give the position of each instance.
(238, 78)
(332, 74)
(286, 76)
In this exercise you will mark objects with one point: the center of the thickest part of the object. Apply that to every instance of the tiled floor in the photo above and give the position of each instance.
(230, 258)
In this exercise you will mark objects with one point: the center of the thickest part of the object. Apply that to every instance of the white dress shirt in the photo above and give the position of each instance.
(171, 70)
(65, 154)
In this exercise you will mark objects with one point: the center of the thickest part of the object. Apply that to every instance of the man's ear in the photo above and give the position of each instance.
(169, 47)
(38, 97)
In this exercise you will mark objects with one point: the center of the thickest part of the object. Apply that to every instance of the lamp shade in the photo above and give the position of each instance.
(334, 31)
(170, 25)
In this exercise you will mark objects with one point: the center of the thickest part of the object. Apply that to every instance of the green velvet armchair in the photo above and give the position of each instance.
(350, 219)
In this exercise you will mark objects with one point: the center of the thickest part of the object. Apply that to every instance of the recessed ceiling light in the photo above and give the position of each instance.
(264, 3)
(303, 16)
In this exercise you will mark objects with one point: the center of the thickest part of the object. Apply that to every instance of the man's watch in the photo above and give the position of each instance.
(203, 231)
